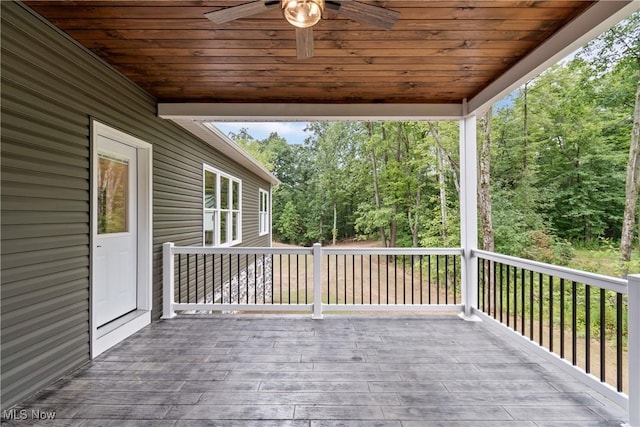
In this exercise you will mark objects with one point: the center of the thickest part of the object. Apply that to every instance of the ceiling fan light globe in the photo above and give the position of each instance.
(303, 13)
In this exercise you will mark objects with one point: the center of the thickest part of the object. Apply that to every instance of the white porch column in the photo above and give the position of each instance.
(633, 347)
(469, 213)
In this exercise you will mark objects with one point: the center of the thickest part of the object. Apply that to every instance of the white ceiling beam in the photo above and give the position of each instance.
(593, 22)
(257, 112)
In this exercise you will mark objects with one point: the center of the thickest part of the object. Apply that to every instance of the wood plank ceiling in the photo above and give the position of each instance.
(438, 51)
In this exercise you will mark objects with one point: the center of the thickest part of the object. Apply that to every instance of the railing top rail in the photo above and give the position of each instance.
(611, 283)
(391, 251)
(308, 251)
(240, 250)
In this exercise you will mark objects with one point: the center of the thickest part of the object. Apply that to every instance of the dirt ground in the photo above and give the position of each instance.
(363, 279)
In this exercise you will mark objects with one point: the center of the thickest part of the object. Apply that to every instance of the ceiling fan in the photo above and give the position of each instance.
(304, 14)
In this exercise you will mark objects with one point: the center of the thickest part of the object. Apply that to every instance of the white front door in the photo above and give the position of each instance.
(116, 252)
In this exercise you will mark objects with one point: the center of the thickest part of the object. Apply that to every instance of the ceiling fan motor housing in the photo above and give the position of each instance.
(302, 13)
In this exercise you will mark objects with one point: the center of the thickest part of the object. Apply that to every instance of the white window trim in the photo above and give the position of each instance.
(267, 227)
(216, 226)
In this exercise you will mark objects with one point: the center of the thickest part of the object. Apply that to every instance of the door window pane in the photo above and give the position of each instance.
(113, 197)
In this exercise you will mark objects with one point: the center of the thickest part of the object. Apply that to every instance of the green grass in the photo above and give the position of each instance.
(603, 261)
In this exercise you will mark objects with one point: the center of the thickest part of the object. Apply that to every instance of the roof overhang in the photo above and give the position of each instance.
(218, 140)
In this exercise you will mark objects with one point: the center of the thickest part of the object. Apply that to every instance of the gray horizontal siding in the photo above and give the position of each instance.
(51, 88)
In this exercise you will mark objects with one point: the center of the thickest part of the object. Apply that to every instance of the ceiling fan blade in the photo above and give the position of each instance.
(241, 11)
(304, 42)
(363, 13)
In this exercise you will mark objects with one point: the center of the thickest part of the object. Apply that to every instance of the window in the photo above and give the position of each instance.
(264, 213)
(222, 218)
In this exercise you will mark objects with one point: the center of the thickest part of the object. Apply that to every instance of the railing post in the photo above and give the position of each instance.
(317, 281)
(167, 281)
(633, 319)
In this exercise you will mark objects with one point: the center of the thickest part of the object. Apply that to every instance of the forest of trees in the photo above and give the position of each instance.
(558, 167)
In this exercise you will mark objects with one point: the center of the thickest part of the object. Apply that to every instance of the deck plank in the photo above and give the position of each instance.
(361, 371)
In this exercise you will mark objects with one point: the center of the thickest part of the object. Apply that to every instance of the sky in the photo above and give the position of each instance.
(292, 132)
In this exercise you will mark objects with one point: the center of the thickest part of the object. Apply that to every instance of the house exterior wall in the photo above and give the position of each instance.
(51, 90)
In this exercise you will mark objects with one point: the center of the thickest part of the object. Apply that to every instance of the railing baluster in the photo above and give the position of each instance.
(328, 279)
(501, 293)
(482, 295)
(551, 313)
(197, 278)
(179, 278)
(508, 295)
(353, 278)
(395, 279)
(587, 332)
(361, 279)
(455, 280)
(619, 342)
(495, 291)
(515, 299)
(337, 282)
(574, 320)
(288, 278)
(531, 320)
(446, 279)
(238, 277)
(379, 280)
(297, 279)
(344, 268)
(603, 338)
(371, 284)
(429, 275)
(281, 301)
(204, 267)
(306, 281)
(387, 270)
(522, 301)
(562, 323)
(437, 279)
(420, 277)
(540, 309)
(404, 280)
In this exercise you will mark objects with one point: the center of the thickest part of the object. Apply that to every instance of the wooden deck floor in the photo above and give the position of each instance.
(282, 371)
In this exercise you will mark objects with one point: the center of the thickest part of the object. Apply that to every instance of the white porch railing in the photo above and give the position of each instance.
(311, 280)
(582, 322)
(574, 319)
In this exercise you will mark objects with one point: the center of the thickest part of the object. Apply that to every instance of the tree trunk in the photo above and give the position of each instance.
(525, 129)
(484, 190)
(631, 189)
(414, 220)
(455, 168)
(334, 231)
(376, 187)
(393, 232)
(443, 195)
